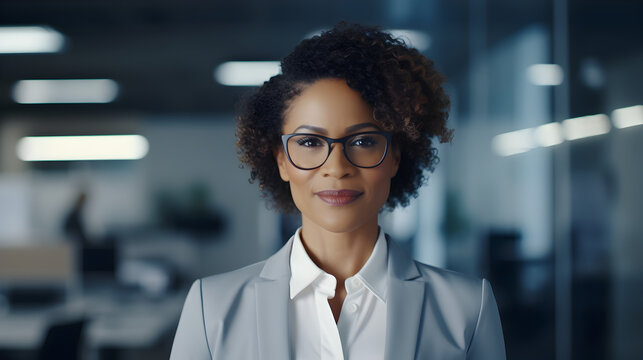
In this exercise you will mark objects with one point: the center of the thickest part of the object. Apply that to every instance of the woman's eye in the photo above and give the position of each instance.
(364, 141)
(309, 142)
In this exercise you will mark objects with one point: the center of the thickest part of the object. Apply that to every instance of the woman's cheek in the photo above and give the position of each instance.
(298, 188)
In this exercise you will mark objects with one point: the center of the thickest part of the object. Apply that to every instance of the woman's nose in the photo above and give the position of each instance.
(337, 165)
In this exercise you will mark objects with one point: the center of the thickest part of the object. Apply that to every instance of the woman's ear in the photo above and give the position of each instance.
(280, 157)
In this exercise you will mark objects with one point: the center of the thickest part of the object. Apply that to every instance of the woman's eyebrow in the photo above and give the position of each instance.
(349, 129)
(313, 128)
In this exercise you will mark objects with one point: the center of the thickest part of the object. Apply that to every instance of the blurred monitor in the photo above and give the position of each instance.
(34, 275)
(36, 265)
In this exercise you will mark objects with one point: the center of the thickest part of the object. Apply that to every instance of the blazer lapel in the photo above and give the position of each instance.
(272, 301)
(404, 305)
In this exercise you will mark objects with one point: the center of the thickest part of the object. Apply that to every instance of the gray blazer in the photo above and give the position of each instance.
(431, 314)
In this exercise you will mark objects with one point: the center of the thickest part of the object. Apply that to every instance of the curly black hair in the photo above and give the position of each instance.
(400, 84)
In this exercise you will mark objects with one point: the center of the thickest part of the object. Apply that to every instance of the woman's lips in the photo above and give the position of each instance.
(338, 197)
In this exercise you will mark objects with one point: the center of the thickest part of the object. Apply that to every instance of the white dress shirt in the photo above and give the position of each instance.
(360, 331)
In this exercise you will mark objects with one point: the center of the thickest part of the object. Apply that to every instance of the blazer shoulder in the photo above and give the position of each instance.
(210, 300)
(232, 280)
(451, 288)
(433, 273)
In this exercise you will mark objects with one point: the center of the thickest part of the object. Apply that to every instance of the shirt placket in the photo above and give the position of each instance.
(349, 317)
(331, 344)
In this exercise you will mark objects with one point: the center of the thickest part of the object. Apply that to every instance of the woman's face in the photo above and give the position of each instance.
(330, 108)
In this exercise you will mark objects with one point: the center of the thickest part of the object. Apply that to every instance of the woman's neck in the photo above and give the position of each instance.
(339, 254)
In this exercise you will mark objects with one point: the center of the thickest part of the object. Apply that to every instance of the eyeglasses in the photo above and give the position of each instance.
(310, 151)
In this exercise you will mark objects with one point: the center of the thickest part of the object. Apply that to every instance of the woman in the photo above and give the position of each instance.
(343, 132)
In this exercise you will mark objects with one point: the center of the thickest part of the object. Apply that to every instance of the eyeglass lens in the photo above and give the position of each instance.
(310, 151)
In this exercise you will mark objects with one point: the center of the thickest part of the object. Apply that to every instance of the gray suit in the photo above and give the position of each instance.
(431, 314)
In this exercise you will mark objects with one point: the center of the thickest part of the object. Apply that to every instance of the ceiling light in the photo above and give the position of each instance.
(30, 39)
(88, 147)
(549, 134)
(629, 116)
(246, 73)
(514, 142)
(545, 74)
(586, 126)
(65, 91)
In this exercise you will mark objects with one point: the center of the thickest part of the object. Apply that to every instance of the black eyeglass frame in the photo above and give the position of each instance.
(342, 140)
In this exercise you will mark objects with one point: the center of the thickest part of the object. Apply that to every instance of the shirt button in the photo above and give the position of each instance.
(352, 308)
(356, 284)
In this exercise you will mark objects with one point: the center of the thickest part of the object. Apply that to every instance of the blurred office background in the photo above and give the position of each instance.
(540, 190)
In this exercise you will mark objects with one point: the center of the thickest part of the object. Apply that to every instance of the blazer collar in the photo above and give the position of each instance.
(272, 302)
(278, 265)
(404, 305)
(400, 266)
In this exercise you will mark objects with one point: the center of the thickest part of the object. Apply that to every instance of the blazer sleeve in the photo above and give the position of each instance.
(190, 341)
(487, 342)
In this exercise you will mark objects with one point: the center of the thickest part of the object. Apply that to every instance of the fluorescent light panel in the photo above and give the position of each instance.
(65, 91)
(90, 147)
(545, 74)
(554, 133)
(549, 134)
(514, 142)
(30, 39)
(246, 73)
(586, 126)
(629, 116)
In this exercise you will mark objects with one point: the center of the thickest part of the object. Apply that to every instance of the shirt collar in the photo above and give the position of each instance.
(304, 272)
(373, 274)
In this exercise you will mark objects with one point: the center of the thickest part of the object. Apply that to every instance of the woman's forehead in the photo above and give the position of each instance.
(328, 104)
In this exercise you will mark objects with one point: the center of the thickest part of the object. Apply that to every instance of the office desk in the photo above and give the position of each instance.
(113, 322)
